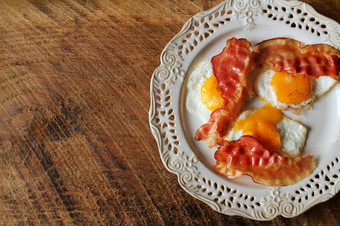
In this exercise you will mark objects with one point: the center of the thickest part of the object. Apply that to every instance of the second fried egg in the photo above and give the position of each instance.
(286, 91)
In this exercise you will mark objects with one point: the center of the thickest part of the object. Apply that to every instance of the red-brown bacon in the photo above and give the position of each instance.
(283, 54)
(231, 69)
(247, 156)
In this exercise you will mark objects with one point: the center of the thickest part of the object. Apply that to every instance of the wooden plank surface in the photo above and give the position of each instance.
(76, 147)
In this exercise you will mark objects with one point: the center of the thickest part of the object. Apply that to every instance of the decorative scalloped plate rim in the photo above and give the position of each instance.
(203, 36)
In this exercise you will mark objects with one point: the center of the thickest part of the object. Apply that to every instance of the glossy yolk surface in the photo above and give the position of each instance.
(210, 94)
(291, 89)
(261, 125)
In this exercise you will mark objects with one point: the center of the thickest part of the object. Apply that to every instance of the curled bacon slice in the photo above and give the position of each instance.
(248, 156)
(284, 54)
(231, 69)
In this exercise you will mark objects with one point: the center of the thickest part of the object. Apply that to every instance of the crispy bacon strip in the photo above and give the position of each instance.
(248, 156)
(231, 69)
(291, 56)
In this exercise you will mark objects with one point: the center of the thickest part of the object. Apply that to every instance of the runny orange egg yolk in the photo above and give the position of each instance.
(291, 89)
(261, 125)
(210, 94)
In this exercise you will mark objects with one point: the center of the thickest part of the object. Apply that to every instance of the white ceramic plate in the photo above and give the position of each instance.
(204, 36)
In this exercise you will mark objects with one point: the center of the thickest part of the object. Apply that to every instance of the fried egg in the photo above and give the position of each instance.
(274, 130)
(203, 93)
(286, 91)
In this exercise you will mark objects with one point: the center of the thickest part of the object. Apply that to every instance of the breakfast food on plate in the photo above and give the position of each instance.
(262, 143)
(231, 69)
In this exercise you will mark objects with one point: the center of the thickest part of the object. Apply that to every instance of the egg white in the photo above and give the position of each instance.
(292, 134)
(266, 92)
(195, 81)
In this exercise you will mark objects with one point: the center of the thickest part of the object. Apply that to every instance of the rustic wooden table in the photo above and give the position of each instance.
(76, 147)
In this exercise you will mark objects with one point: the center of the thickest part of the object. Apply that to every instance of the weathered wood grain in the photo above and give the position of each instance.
(75, 143)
